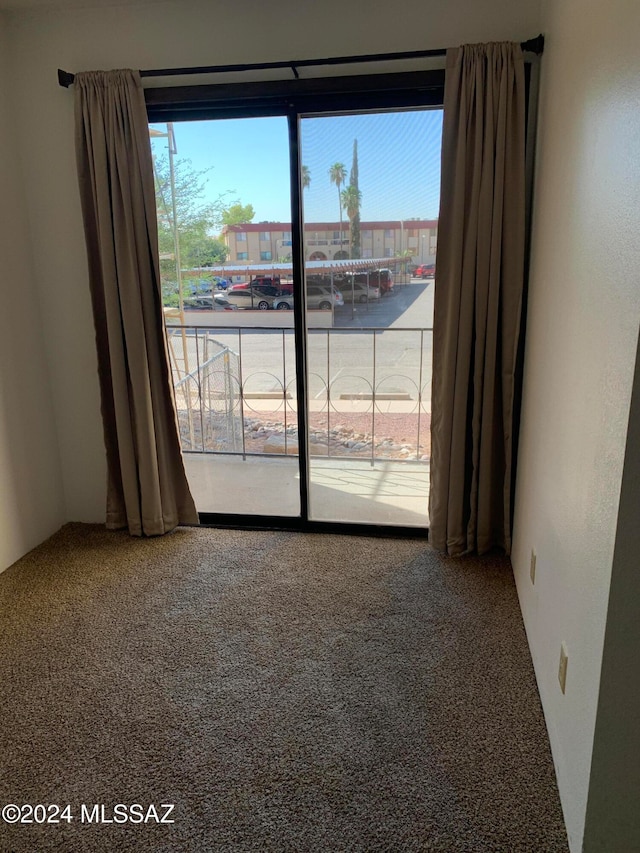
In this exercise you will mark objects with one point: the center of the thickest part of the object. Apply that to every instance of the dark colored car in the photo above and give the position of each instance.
(284, 287)
(212, 301)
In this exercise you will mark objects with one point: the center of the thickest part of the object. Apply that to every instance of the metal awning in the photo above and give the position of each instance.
(348, 265)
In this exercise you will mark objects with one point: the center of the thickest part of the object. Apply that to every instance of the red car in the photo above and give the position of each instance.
(425, 271)
(377, 278)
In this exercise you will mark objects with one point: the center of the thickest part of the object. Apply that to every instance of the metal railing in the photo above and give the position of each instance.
(369, 391)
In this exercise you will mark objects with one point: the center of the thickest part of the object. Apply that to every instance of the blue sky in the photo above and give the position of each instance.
(398, 162)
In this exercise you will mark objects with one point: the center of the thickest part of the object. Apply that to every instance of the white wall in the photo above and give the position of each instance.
(166, 35)
(31, 505)
(583, 321)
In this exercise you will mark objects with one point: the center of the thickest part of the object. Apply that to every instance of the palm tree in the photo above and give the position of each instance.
(357, 201)
(306, 177)
(338, 176)
(351, 199)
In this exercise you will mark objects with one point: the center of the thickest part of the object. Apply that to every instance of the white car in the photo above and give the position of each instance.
(262, 297)
(357, 291)
(323, 296)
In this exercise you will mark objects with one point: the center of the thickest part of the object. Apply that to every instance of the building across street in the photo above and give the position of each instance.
(255, 242)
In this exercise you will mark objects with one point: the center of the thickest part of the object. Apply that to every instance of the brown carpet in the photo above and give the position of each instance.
(288, 692)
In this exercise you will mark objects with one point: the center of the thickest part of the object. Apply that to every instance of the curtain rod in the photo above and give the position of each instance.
(535, 45)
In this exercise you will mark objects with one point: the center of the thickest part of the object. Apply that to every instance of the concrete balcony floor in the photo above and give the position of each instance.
(341, 490)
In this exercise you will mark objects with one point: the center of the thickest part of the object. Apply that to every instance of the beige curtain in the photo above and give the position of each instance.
(147, 487)
(478, 295)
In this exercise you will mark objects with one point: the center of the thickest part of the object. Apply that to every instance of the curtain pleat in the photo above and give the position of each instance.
(478, 297)
(147, 489)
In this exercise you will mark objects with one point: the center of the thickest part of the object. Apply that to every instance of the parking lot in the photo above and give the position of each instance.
(408, 306)
(390, 347)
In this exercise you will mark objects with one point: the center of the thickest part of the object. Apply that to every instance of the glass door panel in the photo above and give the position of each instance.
(224, 227)
(370, 201)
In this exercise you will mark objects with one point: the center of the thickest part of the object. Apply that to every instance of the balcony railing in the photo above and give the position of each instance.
(369, 391)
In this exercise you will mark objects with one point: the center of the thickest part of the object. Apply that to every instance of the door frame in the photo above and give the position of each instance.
(295, 99)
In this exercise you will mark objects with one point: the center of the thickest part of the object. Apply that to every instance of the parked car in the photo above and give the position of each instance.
(425, 271)
(262, 297)
(285, 287)
(353, 288)
(269, 289)
(384, 279)
(322, 294)
(198, 303)
(220, 301)
(203, 287)
(214, 301)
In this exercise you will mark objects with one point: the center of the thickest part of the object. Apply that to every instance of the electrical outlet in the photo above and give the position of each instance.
(532, 568)
(562, 669)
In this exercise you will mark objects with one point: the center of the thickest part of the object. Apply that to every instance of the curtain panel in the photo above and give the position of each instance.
(147, 489)
(478, 298)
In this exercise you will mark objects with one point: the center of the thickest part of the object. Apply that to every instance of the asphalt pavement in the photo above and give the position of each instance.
(409, 306)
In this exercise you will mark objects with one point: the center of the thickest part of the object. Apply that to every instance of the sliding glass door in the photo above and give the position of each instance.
(224, 222)
(374, 186)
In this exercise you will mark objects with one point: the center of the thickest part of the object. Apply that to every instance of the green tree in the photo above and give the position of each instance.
(338, 176)
(306, 178)
(196, 221)
(238, 213)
